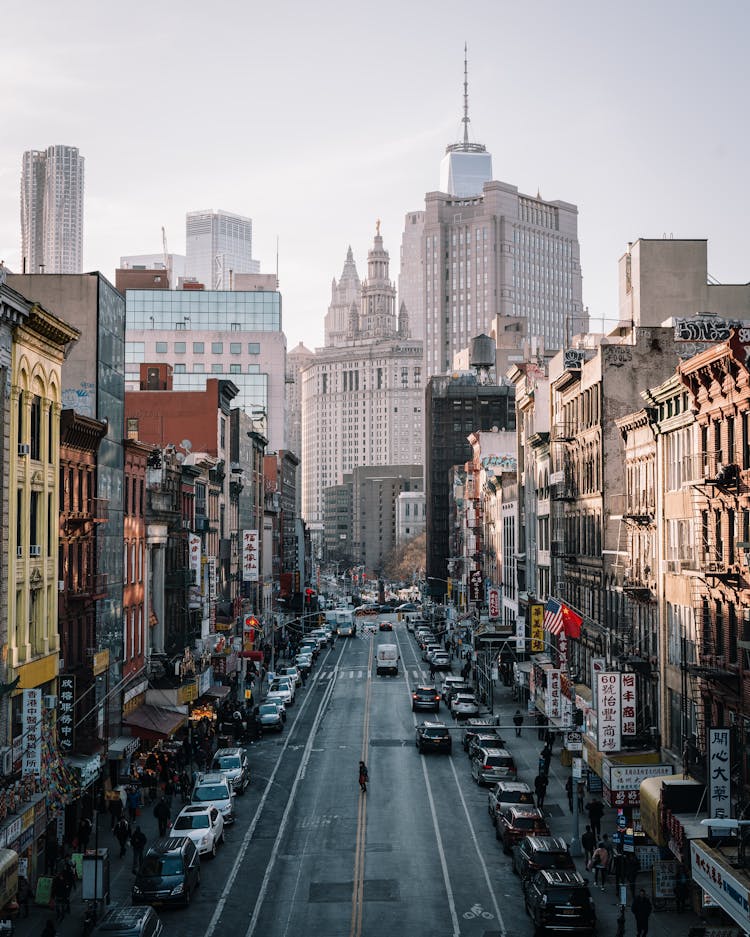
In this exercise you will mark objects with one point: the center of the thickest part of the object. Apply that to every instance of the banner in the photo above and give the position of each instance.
(536, 615)
(609, 712)
(66, 704)
(250, 556)
(628, 704)
(719, 766)
(32, 732)
(194, 549)
(554, 689)
(493, 601)
(520, 634)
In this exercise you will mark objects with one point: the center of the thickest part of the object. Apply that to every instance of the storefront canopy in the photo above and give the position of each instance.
(217, 691)
(154, 722)
(121, 747)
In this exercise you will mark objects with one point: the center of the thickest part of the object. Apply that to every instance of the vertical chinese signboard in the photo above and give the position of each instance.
(554, 703)
(719, 765)
(520, 634)
(31, 762)
(66, 704)
(249, 555)
(194, 548)
(609, 715)
(536, 616)
(493, 602)
(211, 575)
(628, 704)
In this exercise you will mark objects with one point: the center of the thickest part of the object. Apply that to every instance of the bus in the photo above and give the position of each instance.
(342, 621)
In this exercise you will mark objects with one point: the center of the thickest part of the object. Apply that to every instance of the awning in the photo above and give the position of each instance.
(122, 746)
(85, 767)
(217, 691)
(154, 722)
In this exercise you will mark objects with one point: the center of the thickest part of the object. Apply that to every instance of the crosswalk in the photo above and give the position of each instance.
(359, 673)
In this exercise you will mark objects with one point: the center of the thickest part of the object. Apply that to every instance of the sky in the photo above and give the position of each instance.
(317, 119)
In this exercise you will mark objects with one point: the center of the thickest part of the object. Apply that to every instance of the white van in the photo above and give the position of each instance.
(387, 659)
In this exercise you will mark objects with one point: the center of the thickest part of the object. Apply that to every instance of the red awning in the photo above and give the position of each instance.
(154, 722)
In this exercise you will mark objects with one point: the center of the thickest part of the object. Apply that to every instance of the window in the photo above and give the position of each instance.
(180, 369)
(179, 348)
(132, 428)
(253, 348)
(198, 348)
(217, 369)
(161, 348)
(36, 428)
(235, 369)
(235, 348)
(253, 369)
(217, 348)
(199, 369)
(135, 351)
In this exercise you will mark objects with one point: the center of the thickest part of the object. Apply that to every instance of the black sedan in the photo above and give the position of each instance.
(425, 697)
(433, 737)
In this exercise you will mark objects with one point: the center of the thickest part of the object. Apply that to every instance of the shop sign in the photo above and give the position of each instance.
(27, 818)
(574, 741)
(536, 617)
(476, 583)
(562, 650)
(554, 701)
(66, 704)
(194, 556)
(629, 777)
(665, 878)
(609, 711)
(211, 567)
(493, 602)
(100, 662)
(719, 784)
(32, 732)
(205, 680)
(27, 838)
(250, 556)
(720, 884)
(620, 798)
(187, 693)
(598, 665)
(12, 831)
(628, 703)
(520, 634)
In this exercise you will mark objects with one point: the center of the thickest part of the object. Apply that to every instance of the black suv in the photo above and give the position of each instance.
(541, 852)
(169, 873)
(560, 902)
(433, 737)
(425, 697)
(137, 921)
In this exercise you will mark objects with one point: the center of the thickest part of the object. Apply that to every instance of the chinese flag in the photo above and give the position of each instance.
(572, 622)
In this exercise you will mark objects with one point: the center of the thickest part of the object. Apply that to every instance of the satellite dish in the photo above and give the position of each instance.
(180, 456)
(186, 445)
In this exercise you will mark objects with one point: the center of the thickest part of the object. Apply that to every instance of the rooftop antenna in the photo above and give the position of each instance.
(277, 260)
(466, 95)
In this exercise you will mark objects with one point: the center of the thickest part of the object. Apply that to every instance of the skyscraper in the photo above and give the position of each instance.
(219, 245)
(52, 210)
(480, 250)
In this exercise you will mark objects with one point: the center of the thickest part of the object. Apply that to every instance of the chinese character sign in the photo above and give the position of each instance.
(627, 681)
(554, 703)
(194, 549)
(494, 603)
(66, 704)
(32, 732)
(536, 614)
(520, 634)
(608, 705)
(719, 765)
(250, 556)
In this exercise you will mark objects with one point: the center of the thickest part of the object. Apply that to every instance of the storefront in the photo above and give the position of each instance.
(119, 753)
(721, 885)
(154, 723)
(21, 835)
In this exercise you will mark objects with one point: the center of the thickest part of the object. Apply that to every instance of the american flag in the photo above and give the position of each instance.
(553, 617)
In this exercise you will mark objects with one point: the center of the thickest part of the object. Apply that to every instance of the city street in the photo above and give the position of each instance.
(416, 855)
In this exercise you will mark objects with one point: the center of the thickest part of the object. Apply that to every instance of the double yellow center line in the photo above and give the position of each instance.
(358, 888)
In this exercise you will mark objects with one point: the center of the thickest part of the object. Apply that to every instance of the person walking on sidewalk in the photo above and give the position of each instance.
(588, 841)
(540, 786)
(115, 808)
(133, 801)
(569, 791)
(641, 908)
(163, 814)
(518, 722)
(580, 791)
(61, 896)
(122, 835)
(600, 864)
(596, 811)
(546, 757)
(138, 842)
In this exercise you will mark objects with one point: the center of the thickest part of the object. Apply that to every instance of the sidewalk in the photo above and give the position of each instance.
(526, 751)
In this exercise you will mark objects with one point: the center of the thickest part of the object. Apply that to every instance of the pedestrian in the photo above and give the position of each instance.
(432, 670)
(518, 722)
(541, 722)
(618, 867)
(595, 810)
(122, 835)
(132, 801)
(632, 868)
(115, 808)
(84, 833)
(588, 841)
(581, 789)
(169, 790)
(70, 874)
(600, 864)
(540, 786)
(569, 791)
(641, 908)
(49, 928)
(364, 777)
(61, 896)
(546, 757)
(23, 894)
(681, 888)
(138, 843)
(163, 814)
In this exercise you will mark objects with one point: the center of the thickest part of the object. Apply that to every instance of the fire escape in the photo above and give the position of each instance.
(563, 491)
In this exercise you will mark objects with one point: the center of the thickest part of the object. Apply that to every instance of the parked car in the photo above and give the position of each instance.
(214, 790)
(138, 921)
(169, 874)
(311, 647)
(280, 697)
(287, 685)
(559, 901)
(506, 794)
(233, 764)
(292, 672)
(430, 649)
(270, 716)
(425, 697)
(493, 764)
(204, 825)
(449, 682)
(535, 853)
(433, 737)
(441, 660)
(304, 663)
(464, 705)
(486, 739)
(473, 727)
(514, 823)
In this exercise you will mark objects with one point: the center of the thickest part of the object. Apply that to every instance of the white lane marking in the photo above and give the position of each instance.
(359, 675)
(328, 693)
(253, 825)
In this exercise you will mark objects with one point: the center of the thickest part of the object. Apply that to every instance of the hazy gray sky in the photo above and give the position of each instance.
(317, 118)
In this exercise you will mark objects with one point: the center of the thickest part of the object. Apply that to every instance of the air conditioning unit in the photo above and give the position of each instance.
(35, 550)
(50, 701)
(61, 585)
(6, 760)
(23, 448)
(19, 551)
